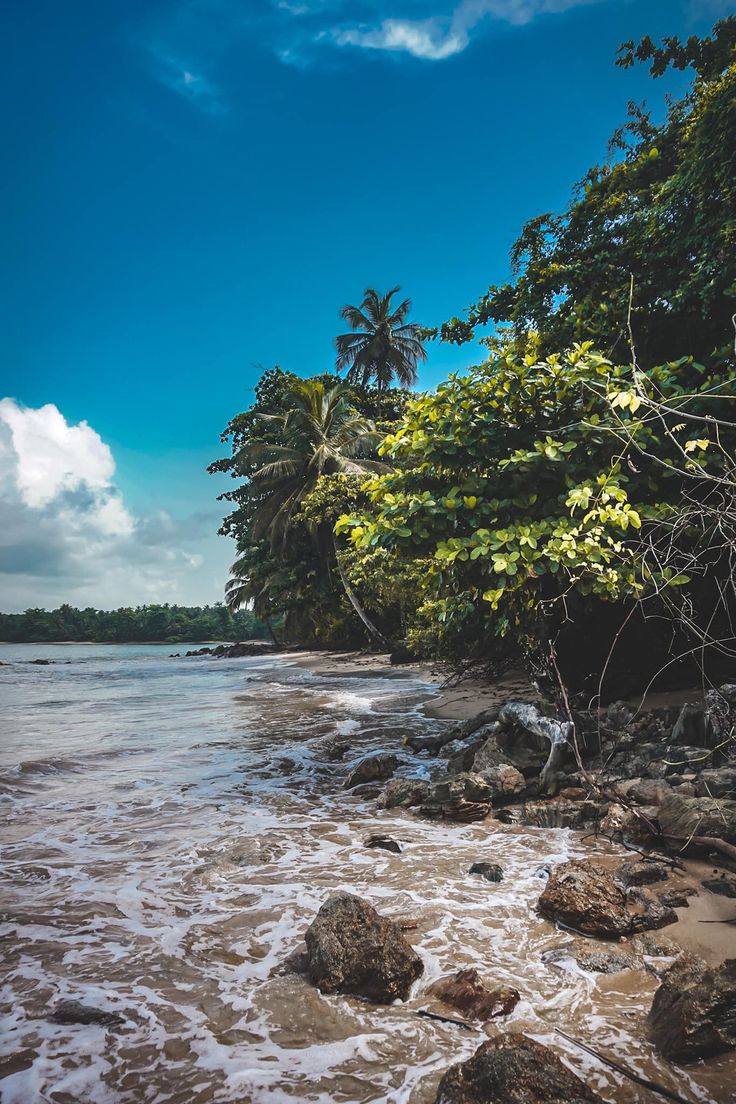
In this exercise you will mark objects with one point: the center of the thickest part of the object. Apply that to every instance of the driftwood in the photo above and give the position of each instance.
(559, 734)
(653, 1086)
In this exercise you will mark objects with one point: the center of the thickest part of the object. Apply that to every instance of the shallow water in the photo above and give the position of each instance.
(172, 826)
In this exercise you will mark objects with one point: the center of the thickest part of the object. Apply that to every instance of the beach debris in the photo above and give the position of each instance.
(352, 949)
(74, 1012)
(693, 1014)
(373, 768)
(513, 1069)
(492, 872)
(466, 992)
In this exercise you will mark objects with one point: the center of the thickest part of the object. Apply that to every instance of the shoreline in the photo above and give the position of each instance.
(701, 927)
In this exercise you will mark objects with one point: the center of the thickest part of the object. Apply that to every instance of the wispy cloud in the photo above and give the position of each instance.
(187, 81)
(440, 36)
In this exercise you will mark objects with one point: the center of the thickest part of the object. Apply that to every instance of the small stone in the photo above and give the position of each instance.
(385, 843)
(492, 872)
(74, 1012)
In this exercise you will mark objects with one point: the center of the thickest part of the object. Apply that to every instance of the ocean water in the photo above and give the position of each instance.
(171, 826)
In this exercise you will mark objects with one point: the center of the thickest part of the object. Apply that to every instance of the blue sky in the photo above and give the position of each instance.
(193, 189)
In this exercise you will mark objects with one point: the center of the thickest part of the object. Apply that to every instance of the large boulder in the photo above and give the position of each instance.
(513, 1069)
(505, 781)
(352, 949)
(585, 897)
(562, 813)
(684, 817)
(639, 872)
(693, 1013)
(374, 768)
(464, 797)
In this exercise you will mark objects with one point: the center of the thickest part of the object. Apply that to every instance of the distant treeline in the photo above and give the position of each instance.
(170, 624)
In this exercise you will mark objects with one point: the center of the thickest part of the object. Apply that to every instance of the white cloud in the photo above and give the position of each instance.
(187, 81)
(441, 36)
(66, 534)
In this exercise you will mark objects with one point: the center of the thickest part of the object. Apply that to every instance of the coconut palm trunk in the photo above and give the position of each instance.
(374, 632)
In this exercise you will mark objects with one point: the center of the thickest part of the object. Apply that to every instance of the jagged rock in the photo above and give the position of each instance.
(466, 992)
(465, 797)
(505, 781)
(710, 723)
(403, 793)
(352, 949)
(492, 872)
(384, 843)
(374, 768)
(461, 753)
(74, 1012)
(513, 1069)
(684, 817)
(717, 783)
(693, 1014)
(722, 886)
(560, 813)
(584, 896)
(638, 873)
(591, 958)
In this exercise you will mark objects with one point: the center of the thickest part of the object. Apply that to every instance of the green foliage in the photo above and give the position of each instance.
(170, 624)
(662, 209)
(525, 485)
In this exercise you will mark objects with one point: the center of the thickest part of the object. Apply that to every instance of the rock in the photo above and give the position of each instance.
(352, 949)
(403, 793)
(717, 783)
(513, 1069)
(74, 1012)
(40, 662)
(655, 913)
(560, 813)
(572, 793)
(655, 946)
(722, 886)
(676, 897)
(676, 760)
(684, 817)
(505, 781)
(466, 992)
(693, 1014)
(332, 748)
(591, 958)
(646, 791)
(461, 754)
(374, 768)
(385, 843)
(465, 797)
(492, 872)
(638, 873)
(584, 896)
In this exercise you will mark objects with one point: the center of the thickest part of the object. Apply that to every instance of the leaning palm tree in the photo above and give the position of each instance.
(320, 434)
(382, 346)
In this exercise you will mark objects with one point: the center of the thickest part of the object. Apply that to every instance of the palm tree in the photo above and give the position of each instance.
(383, 345)
(320, 434)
